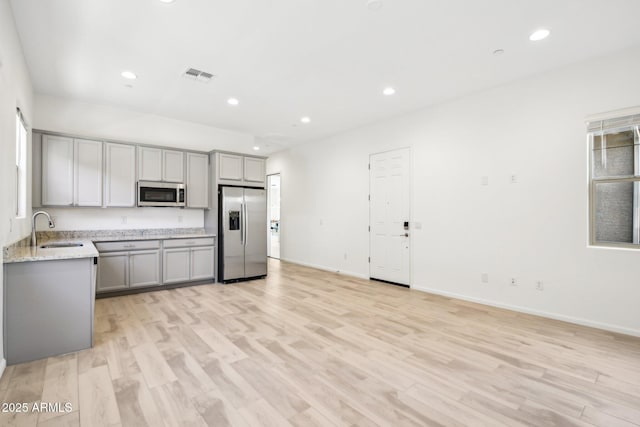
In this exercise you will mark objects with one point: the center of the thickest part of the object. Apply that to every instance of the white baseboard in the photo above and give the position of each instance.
(325, 268)
(3, 365)
(520, 309)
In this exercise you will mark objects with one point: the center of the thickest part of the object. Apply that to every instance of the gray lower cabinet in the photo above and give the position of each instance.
(202, 263)
(187, 260)
(48, 308)
(176, 265)
(147, 263)
(144, 268)
(130, 264)
(188, 264)
(113, 271)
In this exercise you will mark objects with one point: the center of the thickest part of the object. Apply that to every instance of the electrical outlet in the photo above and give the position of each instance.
(539, 285)
(484, 180)
(514, 281)
(514, 178)
(484, 277)
(345, 256)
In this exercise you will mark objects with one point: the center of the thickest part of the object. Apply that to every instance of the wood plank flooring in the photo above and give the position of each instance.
(311, 348)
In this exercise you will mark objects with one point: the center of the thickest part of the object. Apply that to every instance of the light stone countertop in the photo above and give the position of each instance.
(30, 253)
(88, 250)
(125, 237)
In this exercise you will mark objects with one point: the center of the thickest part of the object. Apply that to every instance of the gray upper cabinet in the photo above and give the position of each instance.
(71, 171)
(172, 166)
(236, 169)
(229, 167)
(120, 175)
(156, 164)
(149, 164)
(57, 171)
(254, 170)
(88, 173)
(197, 180)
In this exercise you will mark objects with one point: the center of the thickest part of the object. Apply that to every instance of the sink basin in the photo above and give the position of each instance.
(61, 245)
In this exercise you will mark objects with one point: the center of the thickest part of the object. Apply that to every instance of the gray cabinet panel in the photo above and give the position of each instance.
(144, 268)
(120, 175)
(176, 263)
(197, 180)
(113, 271)
(48, 308)
(202, 263)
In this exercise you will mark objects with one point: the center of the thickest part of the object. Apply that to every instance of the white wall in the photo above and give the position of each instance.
(121, 218)
(99, 121)
(15, 91)
(536, 229)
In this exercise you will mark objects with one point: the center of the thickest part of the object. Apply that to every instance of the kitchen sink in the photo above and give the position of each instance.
(61, 245)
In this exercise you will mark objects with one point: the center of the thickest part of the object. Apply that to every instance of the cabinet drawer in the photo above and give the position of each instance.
(181, 243)
(128, 245)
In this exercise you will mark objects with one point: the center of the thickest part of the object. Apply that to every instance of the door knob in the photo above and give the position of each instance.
(406, 234)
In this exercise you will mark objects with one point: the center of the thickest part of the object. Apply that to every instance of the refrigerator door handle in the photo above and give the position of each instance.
(242, 234)
(246, 224)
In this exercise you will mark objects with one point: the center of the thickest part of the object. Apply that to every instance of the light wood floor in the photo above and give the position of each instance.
(306, 347)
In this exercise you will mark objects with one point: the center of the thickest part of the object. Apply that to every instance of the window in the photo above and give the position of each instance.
(21, 166)
(615, 181)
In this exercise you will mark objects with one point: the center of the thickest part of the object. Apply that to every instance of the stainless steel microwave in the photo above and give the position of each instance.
(167, 194)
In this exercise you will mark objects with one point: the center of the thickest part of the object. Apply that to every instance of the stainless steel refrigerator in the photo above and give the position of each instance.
(242, 226)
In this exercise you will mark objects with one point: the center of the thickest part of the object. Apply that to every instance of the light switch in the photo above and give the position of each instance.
(484, 180)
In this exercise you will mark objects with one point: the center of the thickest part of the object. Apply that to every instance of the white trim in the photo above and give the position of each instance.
(325, 268)
(631, 111)
(3, 365)
(555, 316)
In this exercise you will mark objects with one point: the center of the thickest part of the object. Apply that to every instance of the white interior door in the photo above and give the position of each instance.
(273, 216)
(389, 212)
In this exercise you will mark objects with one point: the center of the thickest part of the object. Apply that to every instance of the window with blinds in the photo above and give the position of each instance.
(615, 181)
(21, 166)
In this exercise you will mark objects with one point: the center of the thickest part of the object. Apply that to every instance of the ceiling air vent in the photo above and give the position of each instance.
(197, 75)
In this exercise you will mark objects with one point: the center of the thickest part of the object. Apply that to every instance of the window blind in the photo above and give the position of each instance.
(616, 123)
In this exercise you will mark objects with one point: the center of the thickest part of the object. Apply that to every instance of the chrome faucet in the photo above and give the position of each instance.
(34, 243)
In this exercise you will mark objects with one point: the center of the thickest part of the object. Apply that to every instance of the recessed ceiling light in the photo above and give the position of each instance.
(129, 75)
(540, 34)
(232, 101)
(167, 1)
(374, 4)
(389, 91)
(256, 148)
(305, 120)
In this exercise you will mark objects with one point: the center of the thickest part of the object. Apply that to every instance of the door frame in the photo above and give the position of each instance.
(411, 221)
(268, 219)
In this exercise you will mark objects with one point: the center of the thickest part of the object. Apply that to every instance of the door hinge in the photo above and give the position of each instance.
(369, 260)
(369, 166)
(369, 228)
(369, 197)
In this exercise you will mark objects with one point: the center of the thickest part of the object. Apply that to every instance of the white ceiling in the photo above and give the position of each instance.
(327, 59)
